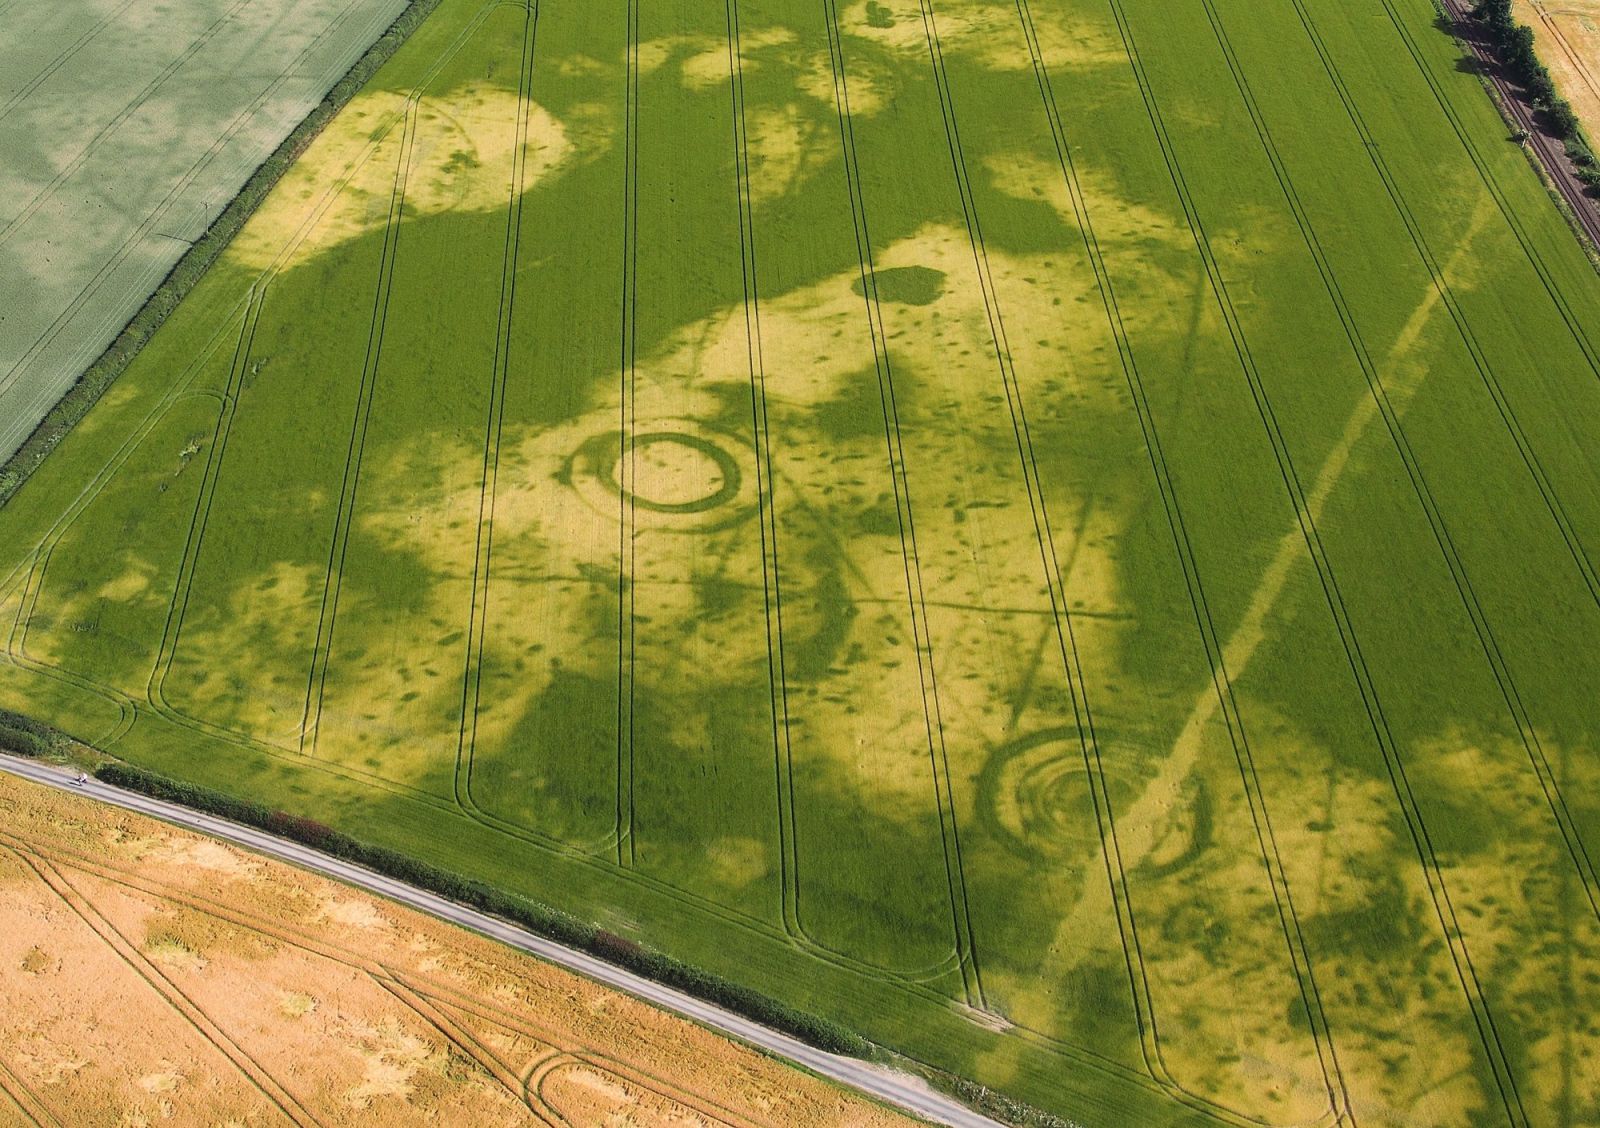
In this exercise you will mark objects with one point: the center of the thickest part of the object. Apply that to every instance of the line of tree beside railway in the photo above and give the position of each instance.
(1514, 44)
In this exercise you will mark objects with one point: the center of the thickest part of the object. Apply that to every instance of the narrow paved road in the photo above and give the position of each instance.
(1551, 151)
(890, 1086)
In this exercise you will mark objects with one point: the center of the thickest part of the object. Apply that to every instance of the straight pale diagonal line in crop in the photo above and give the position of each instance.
(1143, 819)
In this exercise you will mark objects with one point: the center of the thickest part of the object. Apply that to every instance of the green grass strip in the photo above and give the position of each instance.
(540, 919)
(200, 256)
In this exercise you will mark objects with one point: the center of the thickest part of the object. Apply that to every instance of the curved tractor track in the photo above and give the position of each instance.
(896, 1089)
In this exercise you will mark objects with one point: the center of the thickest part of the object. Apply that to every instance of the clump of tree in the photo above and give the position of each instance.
(1513, 43)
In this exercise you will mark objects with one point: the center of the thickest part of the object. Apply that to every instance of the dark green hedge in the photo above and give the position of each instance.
(21, 742)
(23, 737)
(1514, 43)
(198, 258)
(537, 918)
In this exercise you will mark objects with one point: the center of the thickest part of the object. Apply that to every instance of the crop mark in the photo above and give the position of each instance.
(761, 433)
(55, 64)
(1580, 65)
(1491, 185)
(322, 647)
(1306, 521)
(458, 1036)
(626, 852)
(157, 695)
(208, 487)
(477, 617)
(25, 1100)
(431, 1001)
(956, 880)
(772, 588)
(1087, 737)
(127, 111)
(16, 653)
(1554, 798)
(151, 221)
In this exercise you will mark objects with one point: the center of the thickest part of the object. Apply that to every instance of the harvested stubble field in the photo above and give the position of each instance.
(154, 976)
(1567, 37)
(1058, 533)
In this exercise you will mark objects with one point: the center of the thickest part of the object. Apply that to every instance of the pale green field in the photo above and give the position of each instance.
(1058, 534)
(125, 128)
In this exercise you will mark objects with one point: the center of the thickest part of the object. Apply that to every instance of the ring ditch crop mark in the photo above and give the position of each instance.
(1271, 859)
(1499, 1060)
(699, 470)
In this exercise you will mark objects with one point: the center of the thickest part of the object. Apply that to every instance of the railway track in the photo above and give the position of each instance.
(1550, 150)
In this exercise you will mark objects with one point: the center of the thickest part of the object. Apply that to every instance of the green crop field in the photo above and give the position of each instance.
(1061, 534)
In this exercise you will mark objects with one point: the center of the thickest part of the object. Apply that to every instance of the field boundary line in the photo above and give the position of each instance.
(1305, 514)
(483, 548)
(625, 453)
(252, 304)
(185, 275)
(966, 953)
(148, 227)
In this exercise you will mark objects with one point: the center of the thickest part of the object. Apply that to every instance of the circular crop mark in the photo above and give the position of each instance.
(680, 476)
(674, 472)
(1038, 795)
